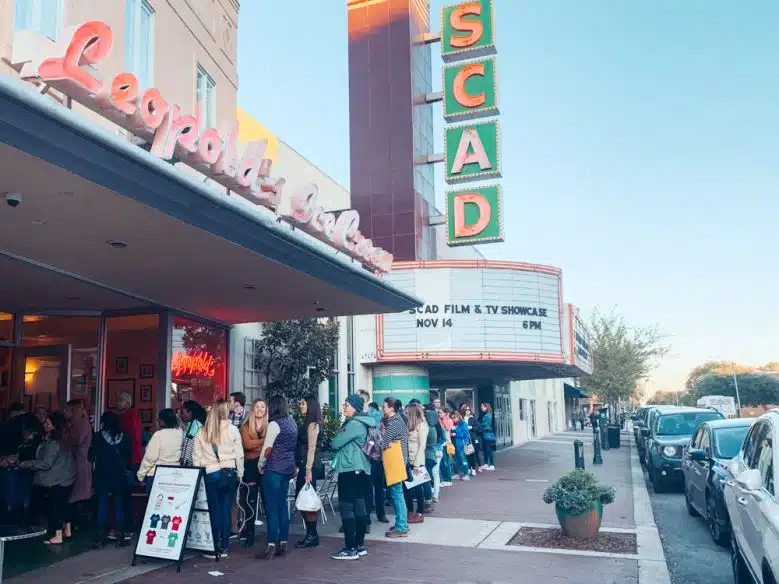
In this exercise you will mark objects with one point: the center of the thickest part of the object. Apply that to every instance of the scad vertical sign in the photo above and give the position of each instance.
(472, 143)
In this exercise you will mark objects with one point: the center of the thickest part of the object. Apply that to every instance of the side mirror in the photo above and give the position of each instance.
(645, 432)
(697, 454)
(750, 479)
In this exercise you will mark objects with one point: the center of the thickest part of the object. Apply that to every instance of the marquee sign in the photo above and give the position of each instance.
(72, 68)
(470, 92)
(475, 311)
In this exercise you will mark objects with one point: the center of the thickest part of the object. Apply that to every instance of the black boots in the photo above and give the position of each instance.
(312, 538)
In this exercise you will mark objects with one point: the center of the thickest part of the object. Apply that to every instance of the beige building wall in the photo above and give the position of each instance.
(186, 33)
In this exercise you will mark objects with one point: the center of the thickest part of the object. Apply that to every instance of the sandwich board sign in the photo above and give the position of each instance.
(168, 518)
(199, 536)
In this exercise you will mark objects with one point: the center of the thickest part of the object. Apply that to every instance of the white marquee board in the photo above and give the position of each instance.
(477, 310)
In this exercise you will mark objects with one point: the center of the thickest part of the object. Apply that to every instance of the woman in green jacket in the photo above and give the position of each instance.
(354, 471)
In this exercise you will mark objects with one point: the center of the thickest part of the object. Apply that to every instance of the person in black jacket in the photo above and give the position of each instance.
(110, 453)
(474, 460)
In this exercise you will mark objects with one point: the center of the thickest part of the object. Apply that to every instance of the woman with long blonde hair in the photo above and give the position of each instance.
(78, 438)
(253, 433)
(418, 430)
(219, 450)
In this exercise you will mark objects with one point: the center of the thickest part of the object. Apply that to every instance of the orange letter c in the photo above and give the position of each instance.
(460, 94)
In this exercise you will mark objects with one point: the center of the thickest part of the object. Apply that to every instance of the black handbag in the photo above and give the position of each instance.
(228, 477)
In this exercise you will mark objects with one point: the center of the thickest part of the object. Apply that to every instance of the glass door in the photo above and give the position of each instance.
(503, 422)
(532, 418)
(46, 377)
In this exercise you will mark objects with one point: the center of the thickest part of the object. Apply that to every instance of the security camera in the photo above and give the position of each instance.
(13, 199)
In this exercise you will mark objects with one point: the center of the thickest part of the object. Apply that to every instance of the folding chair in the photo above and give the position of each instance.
(323, 489)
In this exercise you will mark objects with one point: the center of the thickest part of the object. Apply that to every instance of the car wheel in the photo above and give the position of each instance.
(718, 534)
(658, 482)
(690, 509)
(741, 574)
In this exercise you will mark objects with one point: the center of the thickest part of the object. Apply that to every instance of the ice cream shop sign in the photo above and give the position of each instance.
(72, 68)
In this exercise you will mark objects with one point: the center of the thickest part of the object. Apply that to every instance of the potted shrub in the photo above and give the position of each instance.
(579, 501)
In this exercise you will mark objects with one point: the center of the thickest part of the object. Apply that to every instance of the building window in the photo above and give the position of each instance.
(333, 382)
(199, 362)
(252, 369)
(139, 41)
(206, 97)
(350, 354)
(45, 16)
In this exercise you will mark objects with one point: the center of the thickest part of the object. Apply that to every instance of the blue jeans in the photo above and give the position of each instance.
(220, 505)
(445, 471)
(489, 452)
(460, 463)
(276, 487)
(399, 505)
(102, 509)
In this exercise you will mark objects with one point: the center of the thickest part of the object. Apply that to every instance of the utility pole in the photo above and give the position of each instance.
(738, 399)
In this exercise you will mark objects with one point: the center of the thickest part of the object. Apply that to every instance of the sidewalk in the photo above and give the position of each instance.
(464, 541)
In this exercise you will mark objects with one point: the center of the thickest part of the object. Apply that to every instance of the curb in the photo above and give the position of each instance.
(653, 569)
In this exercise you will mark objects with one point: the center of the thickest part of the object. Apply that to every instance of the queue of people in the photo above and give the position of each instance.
(54, 464)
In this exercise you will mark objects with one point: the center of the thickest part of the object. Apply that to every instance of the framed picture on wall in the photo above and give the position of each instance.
(146, 371)
(146, 393)
(122, 365)
(117, 386)
(146, 416)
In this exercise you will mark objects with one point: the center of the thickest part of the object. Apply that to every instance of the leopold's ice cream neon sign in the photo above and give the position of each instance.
(212, 151)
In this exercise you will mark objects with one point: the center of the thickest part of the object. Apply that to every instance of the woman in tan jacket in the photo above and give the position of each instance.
(417, 441)
(253, 438)
(218, 449)
(309, 465)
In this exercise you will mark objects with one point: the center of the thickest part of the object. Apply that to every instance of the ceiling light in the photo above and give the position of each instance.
(249, 287)
(117, 244)
(38, 222)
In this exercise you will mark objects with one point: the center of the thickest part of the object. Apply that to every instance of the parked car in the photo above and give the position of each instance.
(639, 419)
(705, 469)
(750, 500)
(645, 433)
(669, 434)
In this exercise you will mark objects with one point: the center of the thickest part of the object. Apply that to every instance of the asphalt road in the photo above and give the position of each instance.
(692, 556)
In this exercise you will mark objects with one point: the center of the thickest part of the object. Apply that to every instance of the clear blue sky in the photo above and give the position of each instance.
(640, 145)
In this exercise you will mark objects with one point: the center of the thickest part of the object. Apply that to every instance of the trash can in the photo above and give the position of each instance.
(613, 434)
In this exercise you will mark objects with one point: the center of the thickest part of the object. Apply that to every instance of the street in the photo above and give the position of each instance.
(691, 554)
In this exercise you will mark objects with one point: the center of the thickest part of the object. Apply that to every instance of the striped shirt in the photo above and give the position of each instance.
(396, 429)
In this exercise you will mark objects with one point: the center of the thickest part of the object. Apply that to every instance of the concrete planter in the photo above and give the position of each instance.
(584, 526)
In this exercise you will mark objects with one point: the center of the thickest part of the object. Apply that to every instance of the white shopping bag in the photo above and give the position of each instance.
(308, 500)
(418, 478)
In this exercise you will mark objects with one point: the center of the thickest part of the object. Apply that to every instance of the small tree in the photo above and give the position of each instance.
(622, 357)
(296, 356)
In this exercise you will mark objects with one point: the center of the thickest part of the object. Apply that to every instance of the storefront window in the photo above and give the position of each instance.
(199, 362)
(60, 361)
(132, 350)
(5, 378)
(6, 327)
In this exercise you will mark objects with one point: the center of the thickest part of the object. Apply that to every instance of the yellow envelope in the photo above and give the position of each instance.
(394, 465)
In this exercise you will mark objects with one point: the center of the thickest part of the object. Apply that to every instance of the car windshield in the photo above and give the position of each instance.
(727, 441)
(684, 424)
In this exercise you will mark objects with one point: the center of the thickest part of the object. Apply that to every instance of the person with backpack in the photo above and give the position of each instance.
(352, 464)
(110, 453)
